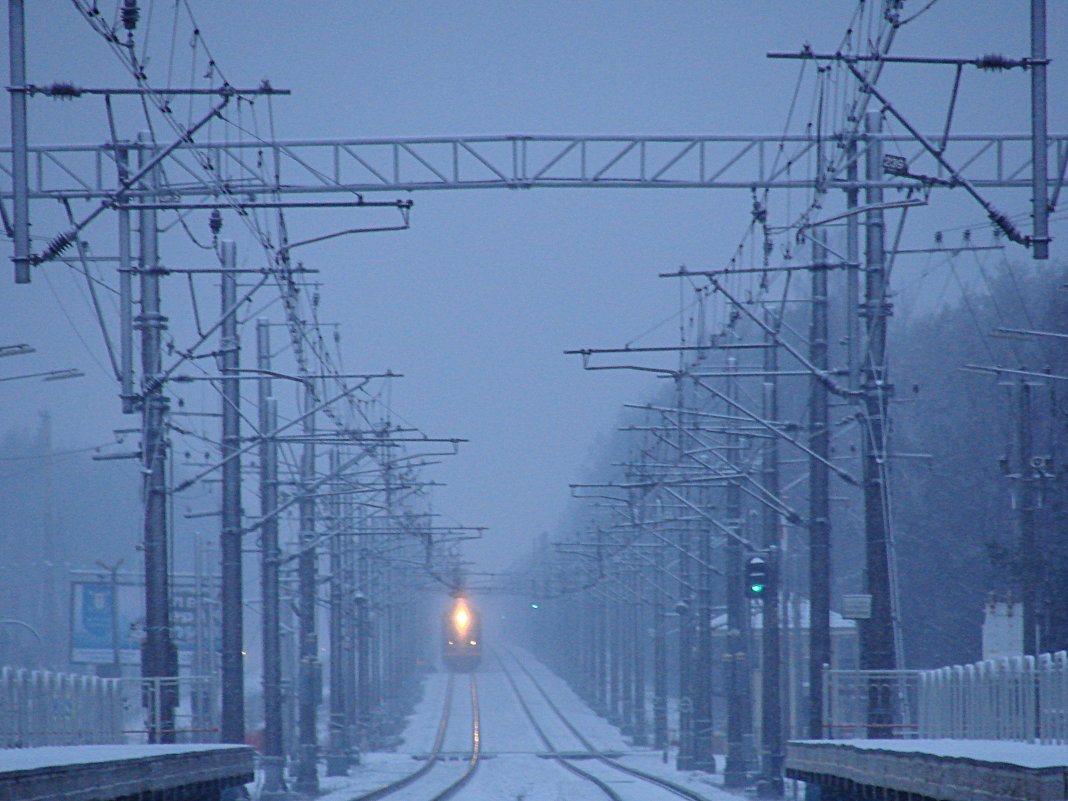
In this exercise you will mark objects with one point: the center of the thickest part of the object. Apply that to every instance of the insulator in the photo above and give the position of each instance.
(995, 61)
(215, 223)
(130, 14)
(64, 91)
(58, 245)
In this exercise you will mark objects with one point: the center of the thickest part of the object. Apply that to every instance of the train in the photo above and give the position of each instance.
(461, 641)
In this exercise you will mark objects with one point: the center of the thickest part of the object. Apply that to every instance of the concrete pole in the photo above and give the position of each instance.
(20, 208)
(852, 318)
(126, 370)
(274, 783)
(310, 679)
(771, 643)
(660, 677)
(735, 771)
(877, 651)
(351, 631)
(638, 652)
(626, 650)
(819, 526)
(600, 664)
(233, 663)
(158, 655)
(684, 759)
(1027, 506)
(703, 759)
(1040, 197)
(337, 758)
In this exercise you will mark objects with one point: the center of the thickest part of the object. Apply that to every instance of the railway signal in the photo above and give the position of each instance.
(757, 577)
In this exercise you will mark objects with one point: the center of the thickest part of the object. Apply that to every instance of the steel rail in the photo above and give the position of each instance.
(601, 784)
(432, 759)
(660, 781)
(476, 749)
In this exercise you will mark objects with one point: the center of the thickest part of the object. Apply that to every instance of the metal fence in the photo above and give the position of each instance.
(39, 707)
(870, 703)
(1013, 698)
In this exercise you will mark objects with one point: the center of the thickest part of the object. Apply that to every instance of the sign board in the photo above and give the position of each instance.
(106, 616)
(856, 607)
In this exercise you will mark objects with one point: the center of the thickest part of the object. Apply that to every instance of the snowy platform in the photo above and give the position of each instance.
(105, 772)
(946, 770)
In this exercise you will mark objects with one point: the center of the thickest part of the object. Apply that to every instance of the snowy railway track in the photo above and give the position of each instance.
(600, 783)
(432, 758)
(659, 781)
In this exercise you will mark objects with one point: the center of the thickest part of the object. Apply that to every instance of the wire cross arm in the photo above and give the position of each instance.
(62, 90)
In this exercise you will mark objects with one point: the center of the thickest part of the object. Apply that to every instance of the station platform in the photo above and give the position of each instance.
(119, 772)
(940, 770)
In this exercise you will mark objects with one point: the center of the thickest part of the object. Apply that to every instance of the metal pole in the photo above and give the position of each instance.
(1040, 199)
(877, 651)
(735, 770)
(819, 525)
(771, 643)
(233, 668)
(19, 165)
(337, 759)
(310, 678)
(158, 657)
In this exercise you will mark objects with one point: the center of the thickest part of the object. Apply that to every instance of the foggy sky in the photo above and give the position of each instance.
(476, 303)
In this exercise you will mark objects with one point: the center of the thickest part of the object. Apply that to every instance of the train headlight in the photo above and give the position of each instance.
(461, 618)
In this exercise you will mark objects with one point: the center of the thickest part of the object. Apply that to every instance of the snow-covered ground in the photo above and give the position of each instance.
(514, 765)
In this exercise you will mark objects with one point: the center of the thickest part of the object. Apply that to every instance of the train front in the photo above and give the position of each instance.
(462, 637)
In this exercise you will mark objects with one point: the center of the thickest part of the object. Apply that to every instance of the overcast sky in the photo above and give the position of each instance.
(475, 304)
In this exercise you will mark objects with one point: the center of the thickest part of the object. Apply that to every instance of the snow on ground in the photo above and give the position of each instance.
(607, 737)
(378, 768)
(514, 767)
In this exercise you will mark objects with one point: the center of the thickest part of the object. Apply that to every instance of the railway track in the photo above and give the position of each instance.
(601, 784)
(433, 757)
(659, 781)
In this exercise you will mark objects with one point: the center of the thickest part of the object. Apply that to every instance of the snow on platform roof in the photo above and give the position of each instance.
(57, 756)
(1003, 752)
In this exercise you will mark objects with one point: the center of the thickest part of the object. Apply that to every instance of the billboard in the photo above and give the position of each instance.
(107, 616)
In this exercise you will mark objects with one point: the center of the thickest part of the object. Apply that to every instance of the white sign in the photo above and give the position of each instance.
(856, 607)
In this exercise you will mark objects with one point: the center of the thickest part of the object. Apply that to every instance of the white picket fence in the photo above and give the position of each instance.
(39, 707)
(1013, 698)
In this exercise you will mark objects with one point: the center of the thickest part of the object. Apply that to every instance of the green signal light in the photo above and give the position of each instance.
(756, 588)
(533, 606)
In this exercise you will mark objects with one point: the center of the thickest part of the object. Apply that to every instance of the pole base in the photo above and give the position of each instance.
(338, 764)
(734, 779)
(769, 788)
